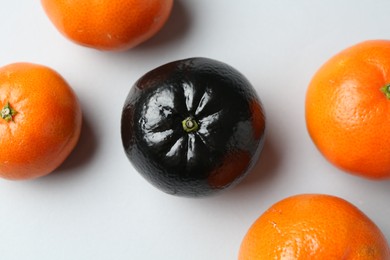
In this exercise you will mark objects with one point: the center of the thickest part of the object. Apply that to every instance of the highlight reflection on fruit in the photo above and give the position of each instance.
(193, 127)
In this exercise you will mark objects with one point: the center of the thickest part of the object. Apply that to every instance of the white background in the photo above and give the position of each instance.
(95, 206)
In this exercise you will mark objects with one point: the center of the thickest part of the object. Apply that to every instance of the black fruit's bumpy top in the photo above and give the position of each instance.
(193, 127)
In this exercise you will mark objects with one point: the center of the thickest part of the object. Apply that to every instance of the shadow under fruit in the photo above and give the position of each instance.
(193, 127)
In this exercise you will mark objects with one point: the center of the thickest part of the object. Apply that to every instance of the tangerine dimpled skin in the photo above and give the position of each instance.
(40, 120)
(314, 226)
(348, 109)
(111, 25)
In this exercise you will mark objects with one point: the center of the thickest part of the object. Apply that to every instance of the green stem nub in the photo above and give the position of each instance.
(190, 125)
(8, 113)
(386, 90)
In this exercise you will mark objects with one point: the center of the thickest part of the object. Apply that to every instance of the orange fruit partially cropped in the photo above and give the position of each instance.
(40, 120)
(108, 24)
(348, 109)
(314, 226)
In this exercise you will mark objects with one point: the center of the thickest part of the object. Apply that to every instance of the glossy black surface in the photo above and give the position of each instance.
(227, 123)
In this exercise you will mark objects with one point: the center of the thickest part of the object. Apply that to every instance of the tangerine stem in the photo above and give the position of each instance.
(386, 90)
(190, 125)
(8, 113)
